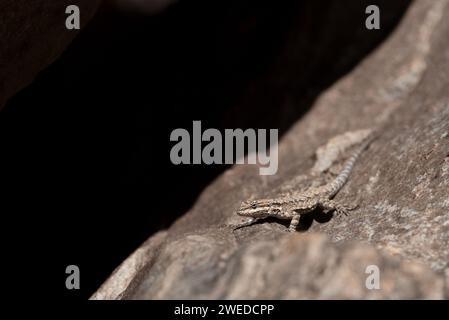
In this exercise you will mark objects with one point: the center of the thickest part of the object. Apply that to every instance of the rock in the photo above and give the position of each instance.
(130, 268)
(33, 35)
(401, 184)
(295, 267)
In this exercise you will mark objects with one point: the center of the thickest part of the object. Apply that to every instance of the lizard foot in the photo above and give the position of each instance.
(344, 209)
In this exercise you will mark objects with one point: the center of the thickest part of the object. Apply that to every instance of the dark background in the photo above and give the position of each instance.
(86, 175)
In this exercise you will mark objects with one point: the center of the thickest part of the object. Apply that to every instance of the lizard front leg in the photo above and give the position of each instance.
(294, 222)
(245, 224)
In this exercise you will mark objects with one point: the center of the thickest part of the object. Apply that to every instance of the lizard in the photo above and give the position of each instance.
(292, 205)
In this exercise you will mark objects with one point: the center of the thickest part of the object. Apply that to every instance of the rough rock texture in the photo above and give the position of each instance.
(33, 35)
(401, 184)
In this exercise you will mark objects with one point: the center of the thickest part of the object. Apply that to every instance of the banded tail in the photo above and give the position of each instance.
(342, 178)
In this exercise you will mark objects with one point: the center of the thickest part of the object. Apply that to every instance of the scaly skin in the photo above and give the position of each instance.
(291, 206)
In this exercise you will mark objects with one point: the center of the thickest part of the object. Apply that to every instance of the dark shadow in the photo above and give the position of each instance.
(318, 215)
(87, 144)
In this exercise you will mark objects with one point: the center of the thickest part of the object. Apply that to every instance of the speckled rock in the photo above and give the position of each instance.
(33, 35)
(223, 269)
(401, 184)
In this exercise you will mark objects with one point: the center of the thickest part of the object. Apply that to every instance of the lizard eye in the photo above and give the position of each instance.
(253, 205)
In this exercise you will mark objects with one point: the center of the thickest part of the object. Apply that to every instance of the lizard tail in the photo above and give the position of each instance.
(341, 179)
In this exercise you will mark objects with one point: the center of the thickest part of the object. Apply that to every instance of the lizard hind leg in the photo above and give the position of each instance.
(339, 208)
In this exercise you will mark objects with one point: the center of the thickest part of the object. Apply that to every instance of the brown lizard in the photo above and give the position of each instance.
(291, 206)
